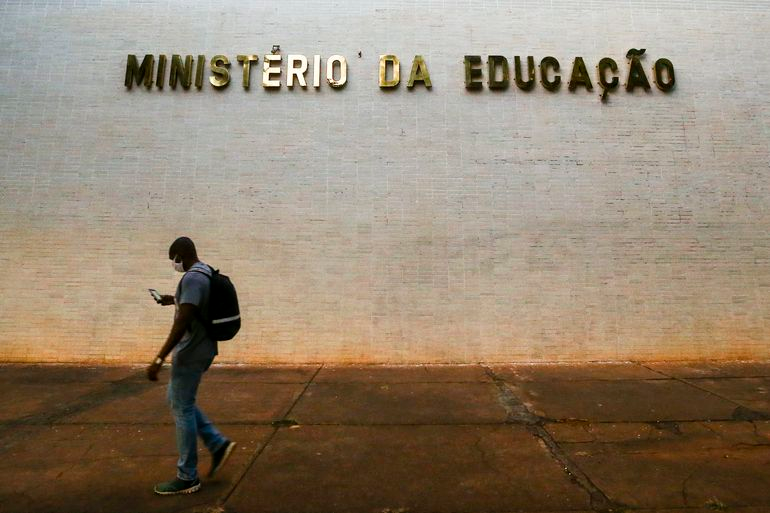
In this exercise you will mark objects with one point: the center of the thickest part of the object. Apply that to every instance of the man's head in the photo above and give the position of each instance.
(183, 251)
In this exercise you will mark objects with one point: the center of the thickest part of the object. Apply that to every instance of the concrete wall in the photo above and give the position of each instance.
(406, 226)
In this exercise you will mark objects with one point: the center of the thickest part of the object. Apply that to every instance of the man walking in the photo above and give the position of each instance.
(193, 352)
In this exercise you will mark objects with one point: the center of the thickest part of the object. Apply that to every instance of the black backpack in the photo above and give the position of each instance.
(224, 317)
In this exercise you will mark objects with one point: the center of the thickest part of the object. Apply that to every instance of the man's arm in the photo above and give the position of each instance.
(182, 321)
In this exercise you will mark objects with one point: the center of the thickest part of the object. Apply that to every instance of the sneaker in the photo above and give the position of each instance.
(178, 486)
(219, 458)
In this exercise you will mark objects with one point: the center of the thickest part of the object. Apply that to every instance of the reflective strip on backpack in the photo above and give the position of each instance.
(226, 319)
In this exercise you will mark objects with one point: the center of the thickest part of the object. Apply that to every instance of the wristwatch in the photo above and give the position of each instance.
(158, 360)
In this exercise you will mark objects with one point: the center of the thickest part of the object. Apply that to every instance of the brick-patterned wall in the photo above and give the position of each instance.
(363, 225)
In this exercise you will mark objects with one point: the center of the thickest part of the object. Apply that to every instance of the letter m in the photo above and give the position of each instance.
(139, 73)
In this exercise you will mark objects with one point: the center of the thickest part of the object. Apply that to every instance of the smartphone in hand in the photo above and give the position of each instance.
(155, 295)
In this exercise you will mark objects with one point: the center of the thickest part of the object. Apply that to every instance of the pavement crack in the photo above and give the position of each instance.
(516, 411)
(756, 429)
(743, 445)
(685, 498)
(484, 458)
(642, 364)
(519, 413)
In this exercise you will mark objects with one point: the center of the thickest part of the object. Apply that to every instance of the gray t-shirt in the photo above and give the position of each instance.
(196, 345)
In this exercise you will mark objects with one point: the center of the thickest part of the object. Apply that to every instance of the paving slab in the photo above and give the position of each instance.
(372, 374)
(221, 401)
(714, 507)
(457, 373)
(738, 432)
(399, 403)
(402, 374)
(422, 468)
(575, 372)
(60, 374)
(753, 393)
(687, 467)
(21, 401)
(261, 374)
(711, 369)
(626, 400)
(109, 469)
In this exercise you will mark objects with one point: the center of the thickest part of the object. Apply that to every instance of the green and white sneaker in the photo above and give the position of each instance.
(219, 458)
(178, 486)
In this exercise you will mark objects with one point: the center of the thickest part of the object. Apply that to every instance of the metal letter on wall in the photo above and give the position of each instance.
(395, 64)
(293, 71)
(316, 71)
(343, 63)
(161, 71)
(185, 70)
(604, 64)
(636, 75)
(139, 73)
(549, 62)
(221, 75)
(246, 61)
(199, 71)
(668, 66)
(521, 84)
(495, 62)
(268, 70)
(473, 75)
(419, 73)
(579, 75)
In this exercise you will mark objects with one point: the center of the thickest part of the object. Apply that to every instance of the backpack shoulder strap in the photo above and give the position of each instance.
(201, 271)
(208, 274)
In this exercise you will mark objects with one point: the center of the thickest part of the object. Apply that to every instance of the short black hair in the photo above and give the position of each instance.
(184, 247)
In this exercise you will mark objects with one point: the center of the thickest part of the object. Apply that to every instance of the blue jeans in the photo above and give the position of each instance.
(190, 421)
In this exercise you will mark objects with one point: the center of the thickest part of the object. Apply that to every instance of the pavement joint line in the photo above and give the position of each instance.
(645, 366)
(583, 380)
(375, 382)
(254, 382)
(599, 501)
(725, 378)
(545, 421)
(259, 451)
(601, 380)
(740, 412)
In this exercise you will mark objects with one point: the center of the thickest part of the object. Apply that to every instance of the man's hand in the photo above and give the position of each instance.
(153, 370)
(166, 300)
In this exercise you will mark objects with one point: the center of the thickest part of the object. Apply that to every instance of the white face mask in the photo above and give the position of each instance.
(178, 266)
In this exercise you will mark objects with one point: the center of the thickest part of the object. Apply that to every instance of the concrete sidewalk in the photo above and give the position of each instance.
(475, 438)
